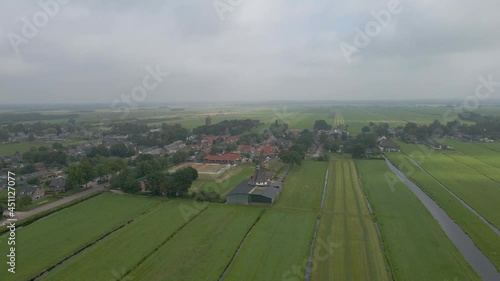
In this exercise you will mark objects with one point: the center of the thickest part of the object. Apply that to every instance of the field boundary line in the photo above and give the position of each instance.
(89, 245)
(124, 276)
(347, 253)
(226, 270)
(470, 208)
(308, 269)
(379, 231)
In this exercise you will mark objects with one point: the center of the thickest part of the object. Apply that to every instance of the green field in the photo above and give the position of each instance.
(279, 243)
(202, 249)
(476, 189)
(304, 186)
(417, 247)
(357, 253)
(484, 152)
(223, 183)
(125, 249)
(21, 147)
(483, 236)
(48, 241)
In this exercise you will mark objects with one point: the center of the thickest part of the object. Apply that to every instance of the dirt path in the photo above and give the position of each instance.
(23, 215)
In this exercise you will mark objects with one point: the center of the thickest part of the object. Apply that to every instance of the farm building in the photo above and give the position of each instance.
(260, 189)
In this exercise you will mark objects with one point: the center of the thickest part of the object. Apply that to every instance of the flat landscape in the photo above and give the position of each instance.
(478, 190)
(354, 250)
(417, 248)
(52, 239)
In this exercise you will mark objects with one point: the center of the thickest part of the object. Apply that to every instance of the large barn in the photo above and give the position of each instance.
(260, 189)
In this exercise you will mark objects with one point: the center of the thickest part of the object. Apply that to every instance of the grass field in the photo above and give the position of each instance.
(478, 190)
(304, 186)
(357, 253)
(12, 148)
(202, 249)
(417, 247)
(50, 240)
(279, 243)
(125, 249)
(483, 236)
(222, 183)
(484, 152)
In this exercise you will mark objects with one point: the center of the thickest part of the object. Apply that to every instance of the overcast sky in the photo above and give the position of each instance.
(248, 50)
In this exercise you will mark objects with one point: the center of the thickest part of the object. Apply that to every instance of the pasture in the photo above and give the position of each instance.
(476, 189)
(483, 236)
(125, 249)
(416, 246)
(277, 245)
(346, 224)
(304, 186)
(21, 147)
(484, 152)
(201, 250)
(48, 241)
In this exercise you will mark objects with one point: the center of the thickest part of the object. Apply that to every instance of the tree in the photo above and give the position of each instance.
(215, 150)
(156, 183)
(182, 181)
(131, 185)
(75, 176)
(291, 157)
(321, 125)
(119, 150)
(231, 147)
(88, 171)
(179, 157)
(24, 200)
(366, 129)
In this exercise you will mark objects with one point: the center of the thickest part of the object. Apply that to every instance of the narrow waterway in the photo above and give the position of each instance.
(478, 261)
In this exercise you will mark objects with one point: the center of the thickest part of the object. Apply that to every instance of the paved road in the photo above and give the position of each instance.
(23, 215)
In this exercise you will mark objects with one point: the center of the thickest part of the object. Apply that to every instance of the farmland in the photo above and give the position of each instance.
(476, 189)
(346, 222)
(484, 152)
(9, 149)
(279, 243)
(416, 246)
(483, 236)
(206, 244)
(52, 239)
(304, 186)
(124, 250)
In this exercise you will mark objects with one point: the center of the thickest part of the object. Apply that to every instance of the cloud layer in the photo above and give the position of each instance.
(90, 51)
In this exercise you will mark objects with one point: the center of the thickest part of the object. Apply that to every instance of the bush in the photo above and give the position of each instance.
(208, 196)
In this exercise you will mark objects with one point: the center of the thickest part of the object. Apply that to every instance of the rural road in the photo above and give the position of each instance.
(23, 215)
